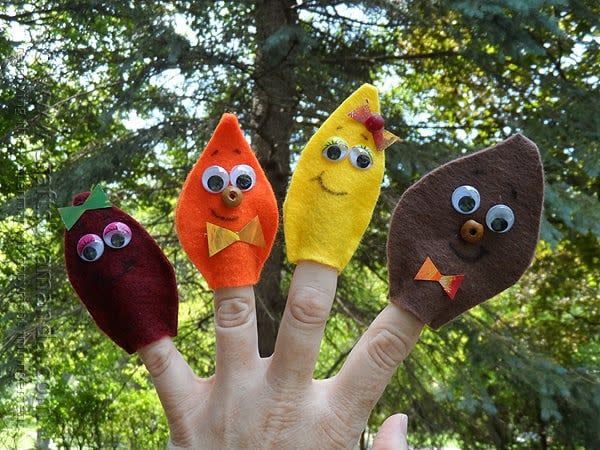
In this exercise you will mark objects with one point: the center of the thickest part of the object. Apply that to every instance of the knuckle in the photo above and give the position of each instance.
(159, 360)
(234, 312)
(308, 306)
(338, 429)
(388, 348)
(281, 415)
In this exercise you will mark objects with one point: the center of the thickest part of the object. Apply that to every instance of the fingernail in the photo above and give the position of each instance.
(404, 424)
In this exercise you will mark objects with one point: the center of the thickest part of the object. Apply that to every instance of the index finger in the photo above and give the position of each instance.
(372, 362)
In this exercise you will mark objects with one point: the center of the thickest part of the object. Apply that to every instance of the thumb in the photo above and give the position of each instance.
(392, 434)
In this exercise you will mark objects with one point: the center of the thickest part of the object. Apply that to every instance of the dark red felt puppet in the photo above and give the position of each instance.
(119, 272)
(466, 231)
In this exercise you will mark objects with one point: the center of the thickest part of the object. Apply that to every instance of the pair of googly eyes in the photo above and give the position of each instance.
(90, 247)
(336, 150)
(215, 179)
(466, 200)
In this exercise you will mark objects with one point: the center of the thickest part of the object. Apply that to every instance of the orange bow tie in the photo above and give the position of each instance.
(220, 238)
(450, 283)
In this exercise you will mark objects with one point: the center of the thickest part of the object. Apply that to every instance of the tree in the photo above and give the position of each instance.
(127, 94)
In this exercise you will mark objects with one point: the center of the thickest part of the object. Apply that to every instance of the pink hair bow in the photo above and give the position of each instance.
(375, 124)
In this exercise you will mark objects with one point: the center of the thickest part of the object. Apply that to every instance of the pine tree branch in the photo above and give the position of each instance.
(334, 18)
(392, 58)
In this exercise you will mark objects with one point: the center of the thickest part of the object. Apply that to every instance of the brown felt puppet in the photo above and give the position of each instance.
(119, 272)
(466, 231)
(227, 216)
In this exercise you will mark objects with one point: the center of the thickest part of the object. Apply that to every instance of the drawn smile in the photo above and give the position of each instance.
(469, 258)
(319, 179)
(226, 218)
(127, 267)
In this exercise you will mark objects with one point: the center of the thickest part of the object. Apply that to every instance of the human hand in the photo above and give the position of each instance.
(254, 402)
(393, 434)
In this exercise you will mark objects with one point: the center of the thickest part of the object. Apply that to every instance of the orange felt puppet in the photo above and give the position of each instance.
(226, 216)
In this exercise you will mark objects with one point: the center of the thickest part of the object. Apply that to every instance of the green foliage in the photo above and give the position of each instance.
(95, 398)
(127, 93)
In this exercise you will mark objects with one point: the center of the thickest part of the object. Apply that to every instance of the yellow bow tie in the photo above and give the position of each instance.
(450, 283)
(220, 238)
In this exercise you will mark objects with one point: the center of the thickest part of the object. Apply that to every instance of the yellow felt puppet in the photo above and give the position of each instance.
(336, 183)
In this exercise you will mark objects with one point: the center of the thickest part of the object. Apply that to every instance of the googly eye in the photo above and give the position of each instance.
(116, 235)
(465, 199)
(360, 157)
(243, 177)
(90, 247)
(335, 149)
(214, 179)
(500, 218)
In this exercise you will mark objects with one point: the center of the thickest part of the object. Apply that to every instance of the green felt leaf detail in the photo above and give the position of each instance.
(97, 200)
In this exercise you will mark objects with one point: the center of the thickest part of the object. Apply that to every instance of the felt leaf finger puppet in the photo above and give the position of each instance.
(119, 272)
(336, 183)
(466, 231)
(227, 216)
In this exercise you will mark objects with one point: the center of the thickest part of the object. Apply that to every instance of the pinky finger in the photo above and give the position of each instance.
(172, 377)
(393, 434)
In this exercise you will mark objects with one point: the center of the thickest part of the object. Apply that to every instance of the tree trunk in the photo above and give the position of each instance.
(543, 432)
(274, 104)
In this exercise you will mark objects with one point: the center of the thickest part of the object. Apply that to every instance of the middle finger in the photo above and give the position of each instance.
(309, 302)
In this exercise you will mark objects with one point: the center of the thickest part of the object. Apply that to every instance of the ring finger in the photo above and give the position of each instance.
(235, 332)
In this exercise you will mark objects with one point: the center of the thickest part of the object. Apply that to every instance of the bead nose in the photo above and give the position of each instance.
(471, 231)
(232, 197)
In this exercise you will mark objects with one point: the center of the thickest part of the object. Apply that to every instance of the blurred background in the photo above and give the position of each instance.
(127, 94)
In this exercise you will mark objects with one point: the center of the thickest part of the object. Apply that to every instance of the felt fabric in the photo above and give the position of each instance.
(240, 262)
(130, 291)
(329, 203)
(96, 200)
(425, 224)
